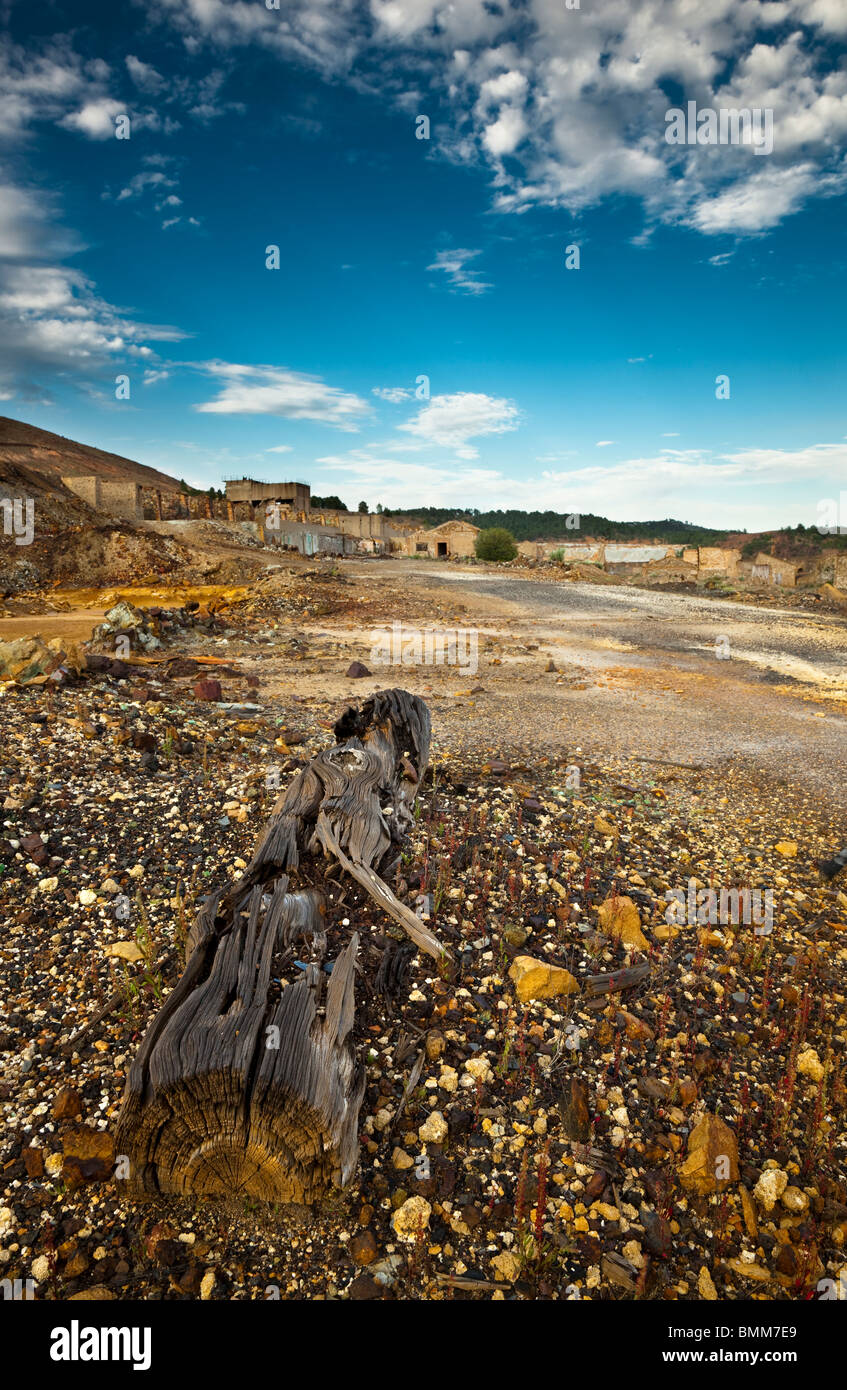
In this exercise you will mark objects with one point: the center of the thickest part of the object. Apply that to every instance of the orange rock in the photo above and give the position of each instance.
(712, 1162)
(620, 919)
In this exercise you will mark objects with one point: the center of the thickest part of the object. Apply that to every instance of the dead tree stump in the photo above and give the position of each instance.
(247, 1079)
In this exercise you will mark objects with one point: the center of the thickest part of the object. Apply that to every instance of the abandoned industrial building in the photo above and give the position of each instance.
(282, 514)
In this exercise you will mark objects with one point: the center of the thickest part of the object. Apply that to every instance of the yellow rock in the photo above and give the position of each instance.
(606, 1210)
(705, 1285)
(749, 1271)
(787, 848)
(506, 1267)
(604, 827)
(749, 1211)
(125, 950)
(712, 1161)
(412, 1218)
(534, 979)
(809, 1064)
(619, 918)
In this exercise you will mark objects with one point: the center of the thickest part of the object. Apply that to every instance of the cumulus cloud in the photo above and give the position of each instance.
(567, 108)
(265, 390)
(51, 316)
(451, 421)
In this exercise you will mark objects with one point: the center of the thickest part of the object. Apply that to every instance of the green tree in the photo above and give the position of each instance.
(363, 507)
(496, 543)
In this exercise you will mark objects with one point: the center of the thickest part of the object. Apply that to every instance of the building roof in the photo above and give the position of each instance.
(447, 526)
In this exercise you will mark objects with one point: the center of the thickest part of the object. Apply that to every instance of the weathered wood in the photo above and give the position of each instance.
(247, 1080)
(611, 981)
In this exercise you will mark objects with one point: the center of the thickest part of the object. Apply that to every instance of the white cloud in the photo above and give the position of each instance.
(265, 390)
(746, 488)
(143, 75)
(604, 443)
(453, 264)
(568, 108)
(96, 119)
(450, 421)
(51, 316)
(279, 449)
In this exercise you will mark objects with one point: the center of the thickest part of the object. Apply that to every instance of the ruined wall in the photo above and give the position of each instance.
(118, 498)
(297, 495)
(715, 559)
(636, 554)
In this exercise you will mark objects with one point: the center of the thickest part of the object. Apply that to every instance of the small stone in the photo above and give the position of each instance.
(534, 979)
(770, 1188)
(67, 1105)
(125, 950)
(207, 1284)
(620, 919)
(411, 1219)
(363, 1247)
(809, 1064)
(705, 1285)
(434, 1128)
(712, 1160)
(401, 1160)
(208, 690)
(794, 1199)
(749, 1271)
(507, 1267)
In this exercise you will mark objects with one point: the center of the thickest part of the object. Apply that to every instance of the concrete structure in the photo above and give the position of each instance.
(591, 552)
(620, 557)
(309, 537)
(293, 497)
(450, 540)
(121, 499)
(769, 570)
(372, 531)
(713, 560)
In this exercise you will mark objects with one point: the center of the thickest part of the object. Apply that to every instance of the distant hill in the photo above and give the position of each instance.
(552, 526)
(27, 450)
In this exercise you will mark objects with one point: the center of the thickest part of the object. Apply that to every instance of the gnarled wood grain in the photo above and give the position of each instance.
(247, 1081)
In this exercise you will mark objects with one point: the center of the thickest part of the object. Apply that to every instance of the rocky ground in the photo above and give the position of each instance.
(522, 1136)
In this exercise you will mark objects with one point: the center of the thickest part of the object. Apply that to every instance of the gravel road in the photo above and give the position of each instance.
(697, 680)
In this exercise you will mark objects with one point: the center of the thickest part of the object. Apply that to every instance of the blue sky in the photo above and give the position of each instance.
(585, 389)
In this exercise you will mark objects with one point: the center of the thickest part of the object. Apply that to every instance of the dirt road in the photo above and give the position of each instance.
(694, 680)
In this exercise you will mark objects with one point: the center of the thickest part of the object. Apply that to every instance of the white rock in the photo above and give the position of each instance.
(770, 1188)
(434, 1128)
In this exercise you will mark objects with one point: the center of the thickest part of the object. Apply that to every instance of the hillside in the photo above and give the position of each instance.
(549, 525)
(27, 450)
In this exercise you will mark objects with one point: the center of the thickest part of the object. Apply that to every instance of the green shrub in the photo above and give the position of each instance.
(496, 543)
